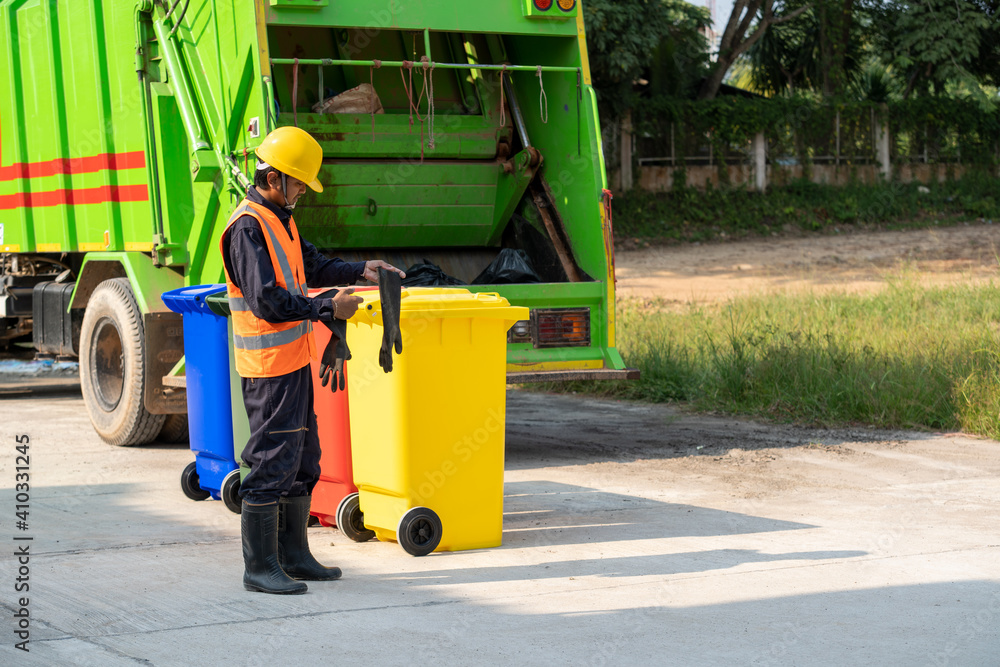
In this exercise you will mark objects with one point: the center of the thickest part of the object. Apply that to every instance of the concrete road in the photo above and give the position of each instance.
(632, 535)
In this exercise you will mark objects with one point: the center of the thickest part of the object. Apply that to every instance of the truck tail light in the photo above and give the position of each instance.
(566, 5)
(561, 327)
(544, 5)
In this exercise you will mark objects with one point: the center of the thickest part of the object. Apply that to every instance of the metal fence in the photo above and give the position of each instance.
(816, 143)
(849, 139)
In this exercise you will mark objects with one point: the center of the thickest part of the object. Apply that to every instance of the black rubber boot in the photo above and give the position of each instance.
(259, 524)
(293, 546)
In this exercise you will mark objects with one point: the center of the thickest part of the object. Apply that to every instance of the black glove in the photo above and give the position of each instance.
(331, 364)
(390, 293)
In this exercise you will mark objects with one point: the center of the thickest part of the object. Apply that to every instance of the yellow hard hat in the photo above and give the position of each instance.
(293, 151)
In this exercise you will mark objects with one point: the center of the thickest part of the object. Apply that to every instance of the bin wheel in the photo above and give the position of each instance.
(351, 520)
(313, 521)
(189, 483)
(419, 531)
(113, 359)
(231, 492)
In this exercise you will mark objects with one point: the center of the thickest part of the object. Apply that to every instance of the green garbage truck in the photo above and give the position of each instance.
(460, 136)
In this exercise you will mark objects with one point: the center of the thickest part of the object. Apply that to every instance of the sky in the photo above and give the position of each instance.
(722, 11)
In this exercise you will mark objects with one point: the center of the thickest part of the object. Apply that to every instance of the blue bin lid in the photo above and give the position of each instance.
(191, 299)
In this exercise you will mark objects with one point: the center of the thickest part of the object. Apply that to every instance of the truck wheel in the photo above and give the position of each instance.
(174, 429)
(112, 366)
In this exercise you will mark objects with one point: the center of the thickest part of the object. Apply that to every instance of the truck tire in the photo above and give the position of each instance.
(112, 366)
(174, 429)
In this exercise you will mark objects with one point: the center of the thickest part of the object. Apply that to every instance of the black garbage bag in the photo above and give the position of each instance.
(428, 275)
(510, 266)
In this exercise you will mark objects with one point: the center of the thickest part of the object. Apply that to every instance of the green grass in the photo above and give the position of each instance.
(908, 357)
(690, 215)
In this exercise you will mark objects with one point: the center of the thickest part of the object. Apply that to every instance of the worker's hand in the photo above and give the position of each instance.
(373, 265)
(346, 304)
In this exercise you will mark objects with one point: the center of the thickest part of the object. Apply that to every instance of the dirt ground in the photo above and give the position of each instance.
(745, 455)
(860, 262)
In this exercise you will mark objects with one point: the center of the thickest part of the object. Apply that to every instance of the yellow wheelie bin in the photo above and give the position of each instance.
(427, 439)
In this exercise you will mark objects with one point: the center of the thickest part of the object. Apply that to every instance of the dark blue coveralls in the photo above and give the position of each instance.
(283, 451)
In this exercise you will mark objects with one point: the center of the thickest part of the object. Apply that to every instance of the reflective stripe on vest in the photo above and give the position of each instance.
(286, 268)
(274, 339)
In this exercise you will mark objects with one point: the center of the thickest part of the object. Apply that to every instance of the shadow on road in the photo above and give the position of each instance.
(543, 512)
(553, 429)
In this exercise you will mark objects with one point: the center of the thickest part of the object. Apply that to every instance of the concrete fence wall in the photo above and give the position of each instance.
(655, 178)
(757, 171)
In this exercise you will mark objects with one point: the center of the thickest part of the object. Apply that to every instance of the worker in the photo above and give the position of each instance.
(268, 267)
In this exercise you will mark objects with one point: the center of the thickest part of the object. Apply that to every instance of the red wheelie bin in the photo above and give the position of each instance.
(335, 492)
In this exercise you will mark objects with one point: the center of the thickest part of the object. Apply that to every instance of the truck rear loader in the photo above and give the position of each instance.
(127, 136)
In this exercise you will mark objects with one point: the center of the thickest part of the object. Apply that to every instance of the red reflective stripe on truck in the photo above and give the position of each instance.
(101, 195)
(76, 165)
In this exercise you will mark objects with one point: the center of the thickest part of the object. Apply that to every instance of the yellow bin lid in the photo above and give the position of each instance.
(434, 302)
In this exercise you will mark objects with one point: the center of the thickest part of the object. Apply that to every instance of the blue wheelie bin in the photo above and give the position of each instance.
(214, 472)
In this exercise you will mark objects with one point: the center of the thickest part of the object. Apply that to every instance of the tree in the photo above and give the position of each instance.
(937, 42)
(986, 64)
(835, 20)
(632, 39)
(742, 32)
(681, 59)
(821, 51)
(786, 59)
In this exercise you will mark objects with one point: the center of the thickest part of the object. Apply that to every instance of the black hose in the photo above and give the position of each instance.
(268, 107)
(38, 258)
(172, 8)
(180, 18)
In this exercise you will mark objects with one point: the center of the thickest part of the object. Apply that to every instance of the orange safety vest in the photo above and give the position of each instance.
(264, 349)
